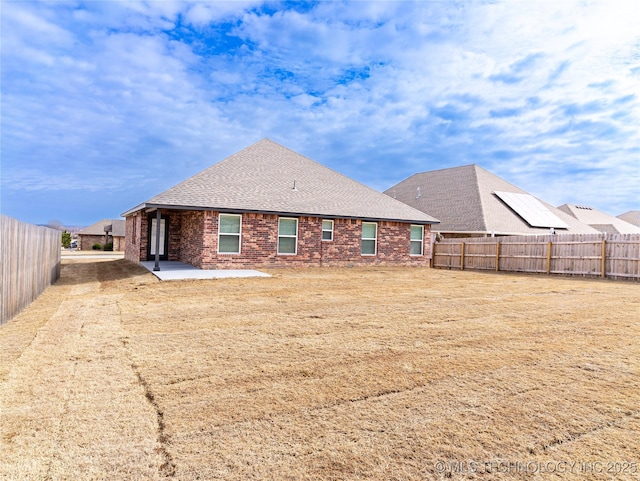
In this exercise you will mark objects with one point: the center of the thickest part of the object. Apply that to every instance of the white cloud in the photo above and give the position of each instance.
(33, 180)
(536, 91)
(41, 30)
(203, 13)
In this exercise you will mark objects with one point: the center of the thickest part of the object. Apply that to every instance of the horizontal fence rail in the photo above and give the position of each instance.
(29, 261)
(612, 256)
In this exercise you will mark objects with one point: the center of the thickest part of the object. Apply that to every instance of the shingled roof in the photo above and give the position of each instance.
(600, 220)
(117, 228)
(632, 217)
(464, 200)
(267, 177)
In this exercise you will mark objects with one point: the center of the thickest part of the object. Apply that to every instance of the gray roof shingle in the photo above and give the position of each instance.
(117, 228)
(267, 177)
(463, 199)
(632, 217)
(600, 220)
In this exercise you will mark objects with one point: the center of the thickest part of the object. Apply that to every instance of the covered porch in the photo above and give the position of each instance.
(179, 238)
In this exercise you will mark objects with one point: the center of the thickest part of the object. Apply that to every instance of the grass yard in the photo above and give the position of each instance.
(322, 374)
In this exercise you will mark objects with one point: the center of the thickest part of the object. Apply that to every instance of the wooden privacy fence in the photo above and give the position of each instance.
(613, 256)
(30, 262)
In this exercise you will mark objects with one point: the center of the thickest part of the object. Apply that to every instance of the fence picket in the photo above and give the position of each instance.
(614, 256)
(29, 263)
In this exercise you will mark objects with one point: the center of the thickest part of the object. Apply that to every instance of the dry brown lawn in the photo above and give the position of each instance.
(322, 374)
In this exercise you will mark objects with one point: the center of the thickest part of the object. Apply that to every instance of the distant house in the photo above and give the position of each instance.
(103, 232)
(599, 220)
(470, 201)
(632, 217)
(270, 206)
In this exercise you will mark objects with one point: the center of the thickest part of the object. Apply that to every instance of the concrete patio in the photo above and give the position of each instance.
(174, 270)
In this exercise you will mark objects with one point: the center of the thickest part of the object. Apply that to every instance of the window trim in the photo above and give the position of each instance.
(239, 234)
(326, 230)
(374, 239)
(288, 236)
(411, 241)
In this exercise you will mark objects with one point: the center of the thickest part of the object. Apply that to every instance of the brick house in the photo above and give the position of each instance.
(103, 232)
(268, 206)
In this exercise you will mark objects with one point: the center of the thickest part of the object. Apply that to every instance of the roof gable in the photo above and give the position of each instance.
(267, 177)
(464, 200)
(600, 220)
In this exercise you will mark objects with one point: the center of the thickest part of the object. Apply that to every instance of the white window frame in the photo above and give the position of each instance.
(327, 230)
(411, 241)
(288, 236)
(239, 234)
(374, 239)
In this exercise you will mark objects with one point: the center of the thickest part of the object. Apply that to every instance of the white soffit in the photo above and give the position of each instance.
(531, 210)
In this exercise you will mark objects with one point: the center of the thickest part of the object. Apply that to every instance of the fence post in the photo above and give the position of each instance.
(603, 267)
(568, 254)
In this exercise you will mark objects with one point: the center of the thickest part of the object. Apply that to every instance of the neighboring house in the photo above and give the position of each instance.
(270, 206)
(600, 220)
(103, 232)
(470, 201)
(632, 217)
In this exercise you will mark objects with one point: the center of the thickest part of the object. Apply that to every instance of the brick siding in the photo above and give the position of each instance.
(193, 239)
(118, 243)
(136, 244)
(86, 242)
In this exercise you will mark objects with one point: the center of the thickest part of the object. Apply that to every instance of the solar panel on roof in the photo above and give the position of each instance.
(531, 210)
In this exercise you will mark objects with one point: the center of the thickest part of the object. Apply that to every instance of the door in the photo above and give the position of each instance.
(164, 237)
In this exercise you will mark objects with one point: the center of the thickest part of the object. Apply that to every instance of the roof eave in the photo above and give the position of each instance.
(135, 209)
(152, 206)
(498, 233)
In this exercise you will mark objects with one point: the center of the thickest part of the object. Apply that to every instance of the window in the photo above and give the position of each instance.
(229, 227)
(369, 238)
(417, 236)
(327, 230)
(287, 236)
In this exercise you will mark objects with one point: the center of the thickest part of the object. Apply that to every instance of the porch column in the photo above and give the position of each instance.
(156, 267)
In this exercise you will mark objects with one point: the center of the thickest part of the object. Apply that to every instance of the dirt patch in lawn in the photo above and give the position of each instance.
(345, 374)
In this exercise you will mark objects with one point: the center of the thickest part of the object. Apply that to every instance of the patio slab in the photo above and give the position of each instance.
(174, 270)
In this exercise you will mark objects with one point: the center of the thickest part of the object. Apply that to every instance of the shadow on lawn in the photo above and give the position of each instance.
(77, 273)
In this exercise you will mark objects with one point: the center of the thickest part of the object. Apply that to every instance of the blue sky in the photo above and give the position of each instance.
(105, 104)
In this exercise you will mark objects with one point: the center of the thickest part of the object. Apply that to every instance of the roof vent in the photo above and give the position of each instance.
(583, 207)
(418, 194)
(294, 185)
